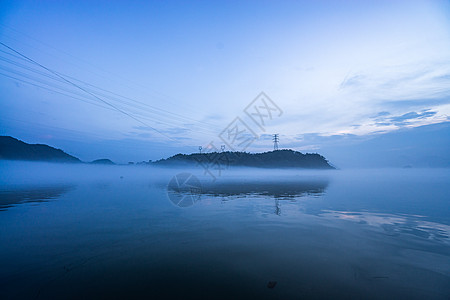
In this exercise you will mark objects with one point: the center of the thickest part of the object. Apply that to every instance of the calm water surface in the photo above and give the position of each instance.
(106, 232)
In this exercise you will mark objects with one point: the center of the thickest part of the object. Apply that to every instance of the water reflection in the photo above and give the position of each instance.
(19, 195)
(275, 189)
(229, 190)
(123, 238)
(396, 224)
(391, 223)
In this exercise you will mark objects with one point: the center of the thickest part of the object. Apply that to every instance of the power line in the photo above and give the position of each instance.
(56, 89)
(86, 62)
(81, 88)
(148, 108)
(104, 90)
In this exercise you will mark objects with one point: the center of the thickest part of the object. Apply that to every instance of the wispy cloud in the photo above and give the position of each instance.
(419, 80)
(386, 119)
(412, 115)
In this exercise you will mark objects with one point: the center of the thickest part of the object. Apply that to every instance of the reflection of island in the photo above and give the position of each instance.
(279, 190)
(232, 189)
(276, 189)
(39, 194)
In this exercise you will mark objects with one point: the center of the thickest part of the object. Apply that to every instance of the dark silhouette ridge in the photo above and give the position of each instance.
(271, 159)
(103, 161)
(14, 149)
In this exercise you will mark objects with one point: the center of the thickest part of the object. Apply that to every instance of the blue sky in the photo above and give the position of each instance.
(157, 78)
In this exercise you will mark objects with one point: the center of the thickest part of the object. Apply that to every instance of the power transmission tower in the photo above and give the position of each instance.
(222, 148)
(275, 141)
(200, 149)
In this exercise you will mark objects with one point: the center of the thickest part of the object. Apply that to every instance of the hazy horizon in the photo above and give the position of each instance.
(365, 84)
(424, 146)
(133, 82)
(87, 231)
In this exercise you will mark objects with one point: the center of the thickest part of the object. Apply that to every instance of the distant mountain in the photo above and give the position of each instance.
(14, 149)
(272, 159)
(103, 161)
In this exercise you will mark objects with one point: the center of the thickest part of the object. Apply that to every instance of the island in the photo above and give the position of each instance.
(14, 149)
(102, 161)
(273, 159)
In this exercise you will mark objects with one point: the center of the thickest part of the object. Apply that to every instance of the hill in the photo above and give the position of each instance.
(14, 149)
(271, 159)
(102, 161)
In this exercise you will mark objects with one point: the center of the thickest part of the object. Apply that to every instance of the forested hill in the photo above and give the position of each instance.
(14, 149)
(272, 159)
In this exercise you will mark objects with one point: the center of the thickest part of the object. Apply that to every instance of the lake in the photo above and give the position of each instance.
(106, 232)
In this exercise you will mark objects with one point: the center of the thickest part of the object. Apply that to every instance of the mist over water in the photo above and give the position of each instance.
(164, 184)
(86, 231)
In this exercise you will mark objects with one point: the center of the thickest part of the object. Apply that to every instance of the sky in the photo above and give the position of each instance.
(140, 80)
